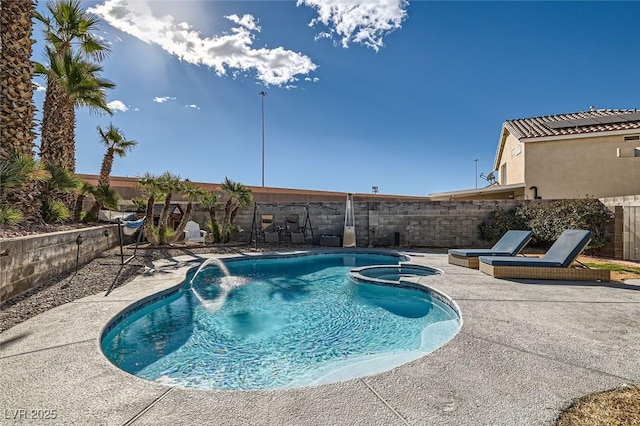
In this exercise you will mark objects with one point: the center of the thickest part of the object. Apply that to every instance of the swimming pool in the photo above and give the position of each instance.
(273, 323)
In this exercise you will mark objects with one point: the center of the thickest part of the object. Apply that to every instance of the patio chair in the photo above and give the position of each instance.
(193, 233)
(509, 245)
(293, 228)
(268, 228)
(556, 264)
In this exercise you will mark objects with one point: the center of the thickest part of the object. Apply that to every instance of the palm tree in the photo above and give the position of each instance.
(71, 80)
(211, 201)
(149, 185)
(117, 144)
(61, 182)
(16, 172)
(104, 196)
(168, 184)
(238, 195)
(16, 98)
(16, 89)
(193, 193)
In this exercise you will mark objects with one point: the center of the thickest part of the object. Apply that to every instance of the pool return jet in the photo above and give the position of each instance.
(349, 235)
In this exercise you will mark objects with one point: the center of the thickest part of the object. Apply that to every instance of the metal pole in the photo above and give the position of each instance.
(263, 94)
(476, 160)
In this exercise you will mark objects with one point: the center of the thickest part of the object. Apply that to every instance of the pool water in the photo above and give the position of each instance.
(279, 323)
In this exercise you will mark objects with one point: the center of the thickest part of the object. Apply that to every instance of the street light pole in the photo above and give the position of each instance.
(476, 160)
(263, 94)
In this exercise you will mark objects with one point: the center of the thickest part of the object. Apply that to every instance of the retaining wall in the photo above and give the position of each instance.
(26, 262)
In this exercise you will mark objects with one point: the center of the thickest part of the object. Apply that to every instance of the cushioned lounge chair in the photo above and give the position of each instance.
(556, 264)
(509, 245)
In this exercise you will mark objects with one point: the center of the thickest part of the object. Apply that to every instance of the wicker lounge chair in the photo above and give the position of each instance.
(509, 245)
(556, 264)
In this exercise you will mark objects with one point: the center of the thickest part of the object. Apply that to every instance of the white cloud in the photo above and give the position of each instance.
(233, 51)
(358, 21)
(117, 106)
(194, 106)
(162, 99)
(39, 87)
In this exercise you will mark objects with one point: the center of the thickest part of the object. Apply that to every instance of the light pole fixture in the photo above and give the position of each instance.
(263, 94)
(79, 241)
(476, 160)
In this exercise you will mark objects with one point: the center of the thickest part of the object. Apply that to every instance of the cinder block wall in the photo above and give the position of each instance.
(26, 262)
(383, 223)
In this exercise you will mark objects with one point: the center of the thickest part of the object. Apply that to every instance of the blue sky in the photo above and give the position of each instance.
(402, 95)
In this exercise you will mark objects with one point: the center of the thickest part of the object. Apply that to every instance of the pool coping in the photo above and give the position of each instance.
(511, 363)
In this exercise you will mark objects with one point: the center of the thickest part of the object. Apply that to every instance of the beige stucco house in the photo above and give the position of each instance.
(593, 153)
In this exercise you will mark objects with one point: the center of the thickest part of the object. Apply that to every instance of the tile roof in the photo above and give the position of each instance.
(593, 121)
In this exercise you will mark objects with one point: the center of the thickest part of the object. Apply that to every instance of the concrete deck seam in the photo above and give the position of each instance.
(148, 407)
(47, 348)
(393, 410)
(549, 358)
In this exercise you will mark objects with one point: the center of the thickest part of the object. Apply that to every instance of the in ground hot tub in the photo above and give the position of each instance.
(389, 274)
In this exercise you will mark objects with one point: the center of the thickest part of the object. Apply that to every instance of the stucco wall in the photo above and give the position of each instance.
(26, 262)
(578, 168)
(513, 155)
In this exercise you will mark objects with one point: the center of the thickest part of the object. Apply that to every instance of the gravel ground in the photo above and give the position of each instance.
(97, 276)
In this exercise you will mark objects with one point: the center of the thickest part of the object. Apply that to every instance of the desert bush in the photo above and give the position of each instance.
(499, 222)
(549, 219)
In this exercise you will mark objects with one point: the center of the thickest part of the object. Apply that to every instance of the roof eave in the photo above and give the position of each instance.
(579, 135)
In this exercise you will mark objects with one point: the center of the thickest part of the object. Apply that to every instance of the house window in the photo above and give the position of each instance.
(503, 174)
(631, 138)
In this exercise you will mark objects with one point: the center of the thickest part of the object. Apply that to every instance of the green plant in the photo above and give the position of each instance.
(214, 230)
(54, 211)
(10, 216)
(499, 222)
(548, 219)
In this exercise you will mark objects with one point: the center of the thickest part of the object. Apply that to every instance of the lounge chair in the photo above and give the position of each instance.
(554, 265)
(293, 228)
(509, 245)
(193, 233)
(269, 230)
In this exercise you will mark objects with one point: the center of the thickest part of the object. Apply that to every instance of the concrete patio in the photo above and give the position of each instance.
(525, 351)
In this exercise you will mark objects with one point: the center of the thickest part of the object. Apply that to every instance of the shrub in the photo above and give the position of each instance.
(214, 229)
(499, 222)
(10, 216)
(54, 211)
(548, 220)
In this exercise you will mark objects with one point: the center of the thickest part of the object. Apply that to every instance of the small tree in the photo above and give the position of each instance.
(211, 201)
(238, 196)
(150, 188)
(193, 193)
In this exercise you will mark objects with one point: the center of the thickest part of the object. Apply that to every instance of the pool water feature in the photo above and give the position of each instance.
(282, 323)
